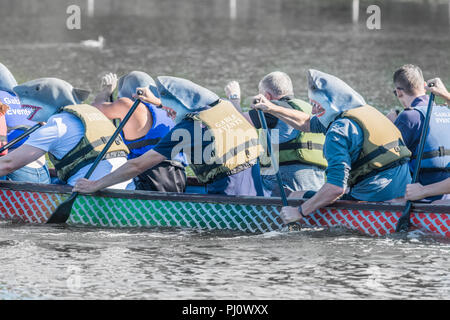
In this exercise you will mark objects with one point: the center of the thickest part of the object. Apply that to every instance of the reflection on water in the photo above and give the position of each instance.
(175, 264)
(212, 42)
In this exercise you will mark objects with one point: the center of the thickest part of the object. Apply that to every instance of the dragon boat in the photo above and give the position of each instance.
(34, 203)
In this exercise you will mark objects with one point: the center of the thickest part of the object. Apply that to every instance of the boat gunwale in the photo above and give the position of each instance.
(219, 199)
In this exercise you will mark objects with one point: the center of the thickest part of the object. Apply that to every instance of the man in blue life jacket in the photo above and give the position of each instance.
(17, 123)
(410, 89)
(301, 162)
(73, 136)
(364, 150)
(146, 127)
(221, 146)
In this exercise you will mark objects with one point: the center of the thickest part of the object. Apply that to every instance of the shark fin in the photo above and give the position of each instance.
(80, 94)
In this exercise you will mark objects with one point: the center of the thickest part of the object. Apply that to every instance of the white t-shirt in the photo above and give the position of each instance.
(60, 135)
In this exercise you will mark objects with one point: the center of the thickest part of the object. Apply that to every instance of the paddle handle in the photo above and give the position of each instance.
(22, 136)
(262, 119)
(404, 221)
(112, 139)
(423, 136)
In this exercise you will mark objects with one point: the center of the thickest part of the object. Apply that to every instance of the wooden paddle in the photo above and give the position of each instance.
(22, 136)
(62, 212)
(405, 220)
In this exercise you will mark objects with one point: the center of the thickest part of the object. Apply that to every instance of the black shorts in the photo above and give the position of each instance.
(168, 176)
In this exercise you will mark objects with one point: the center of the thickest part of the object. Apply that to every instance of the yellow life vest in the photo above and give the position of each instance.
(234, 147)
(383, 145)
(98, 129)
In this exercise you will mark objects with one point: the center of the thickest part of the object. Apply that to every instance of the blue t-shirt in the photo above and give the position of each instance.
(187, 136)
(343, 144)
(410, 123)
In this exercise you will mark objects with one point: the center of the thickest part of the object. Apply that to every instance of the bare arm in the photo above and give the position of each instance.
(129, 170)
(115, 110)
(417, 191)
(328, 194)
(437, 87)
(18, 158)
(296, 119)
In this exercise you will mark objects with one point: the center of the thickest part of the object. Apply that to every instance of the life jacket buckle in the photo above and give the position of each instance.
(441, 151)
(104, 140)
(397, 148)
(309, 145)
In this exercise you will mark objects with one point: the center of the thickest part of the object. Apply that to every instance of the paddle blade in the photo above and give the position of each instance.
(405, 220)
(62, 213)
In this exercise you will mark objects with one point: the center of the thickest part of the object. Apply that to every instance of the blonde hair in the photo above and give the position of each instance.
(410, 78)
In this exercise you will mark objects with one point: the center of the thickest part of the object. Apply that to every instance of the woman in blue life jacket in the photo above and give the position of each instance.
(146, 127)
(17, 123)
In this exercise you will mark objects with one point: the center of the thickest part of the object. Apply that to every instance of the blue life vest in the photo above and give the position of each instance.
(162, 124)
(16, 117)
(436, 154)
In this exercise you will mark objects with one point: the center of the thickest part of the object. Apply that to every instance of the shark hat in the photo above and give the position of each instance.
(128, 84)
(184, 96)
(46, 96)
(7, 80)
(332, 95)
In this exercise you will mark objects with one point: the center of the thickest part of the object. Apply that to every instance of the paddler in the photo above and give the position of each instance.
(3, 129)
(221, 146)
(146, 127)
(410, 89)
(364, 150)
(16, 124)
(301, 161)
(73, 136)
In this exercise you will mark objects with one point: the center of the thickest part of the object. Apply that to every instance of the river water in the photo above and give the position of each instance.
(211, 42)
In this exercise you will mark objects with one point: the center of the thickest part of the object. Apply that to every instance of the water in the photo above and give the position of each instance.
(210, 43)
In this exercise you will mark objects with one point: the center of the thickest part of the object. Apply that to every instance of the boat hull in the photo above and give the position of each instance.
(32, 203)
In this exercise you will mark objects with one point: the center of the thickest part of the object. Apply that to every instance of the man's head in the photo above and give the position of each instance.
(330, 96)
(47, 96)
(127, 84)
(276, 85)
(183, 96)
(409, 84)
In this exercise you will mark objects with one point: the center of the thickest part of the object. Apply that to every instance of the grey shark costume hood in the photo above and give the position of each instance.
(184, 96)
(46, 96)
(332, 94)
(7, 80)
(127, 84)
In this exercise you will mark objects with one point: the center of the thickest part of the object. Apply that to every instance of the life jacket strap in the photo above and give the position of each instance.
(84, 151)
(441, 152)
(379, 151)
(300, 145)
(109, 155)
(142, 143)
